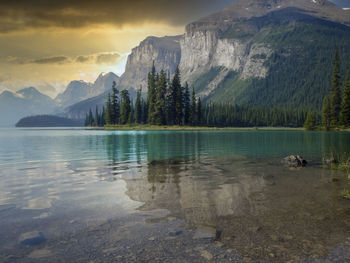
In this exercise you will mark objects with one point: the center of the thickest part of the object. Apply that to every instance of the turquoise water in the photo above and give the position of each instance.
(85, 195)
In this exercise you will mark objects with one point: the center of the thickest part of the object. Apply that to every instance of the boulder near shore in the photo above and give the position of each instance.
(294, 161)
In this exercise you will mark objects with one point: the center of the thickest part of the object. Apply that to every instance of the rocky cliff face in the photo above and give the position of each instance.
(164, 51)
(204, 49)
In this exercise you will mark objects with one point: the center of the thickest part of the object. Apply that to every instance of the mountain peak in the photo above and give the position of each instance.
(29, 92)
(107, 75)
(247, 9)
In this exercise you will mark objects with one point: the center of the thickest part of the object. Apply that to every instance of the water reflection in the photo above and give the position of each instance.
(225, 186)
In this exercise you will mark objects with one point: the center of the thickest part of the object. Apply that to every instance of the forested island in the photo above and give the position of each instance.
(168, 103)
(48, 121)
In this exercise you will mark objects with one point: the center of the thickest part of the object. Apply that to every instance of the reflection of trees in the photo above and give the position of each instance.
(335, 143)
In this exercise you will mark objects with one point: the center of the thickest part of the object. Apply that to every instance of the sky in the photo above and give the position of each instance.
(48, 43)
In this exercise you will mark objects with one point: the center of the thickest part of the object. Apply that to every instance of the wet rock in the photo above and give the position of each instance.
(177, 233)
(294, 161)
(32, 238)
(40, 253)
(207, 255)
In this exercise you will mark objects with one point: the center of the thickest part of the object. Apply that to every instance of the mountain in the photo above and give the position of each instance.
(25, 102)
(79, 90)
(76, 90)
(266, 52)
(165, 52)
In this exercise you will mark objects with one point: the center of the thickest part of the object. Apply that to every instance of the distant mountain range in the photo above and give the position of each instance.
(259, 52)
(80, 90)
(30, 101)
(25, 102)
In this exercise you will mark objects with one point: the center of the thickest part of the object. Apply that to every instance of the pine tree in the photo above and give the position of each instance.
(345, 111)
(326, 113)
(86, 122)
(187, 105)
(193, 114)
(138, 107)
(102, 118)
(125, 107)
(160, 104)
(144, 111)
(336, 91)
(97, 118)
(310, 121)
(90, 118)
(151, 98)
(115, 107)
(177, 100)
(108, 117)
(172, 98)
(199, 111)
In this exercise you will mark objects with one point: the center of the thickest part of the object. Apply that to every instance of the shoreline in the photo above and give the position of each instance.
(190, 128)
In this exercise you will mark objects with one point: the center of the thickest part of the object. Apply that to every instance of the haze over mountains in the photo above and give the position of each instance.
(30, 101)
(260, 52)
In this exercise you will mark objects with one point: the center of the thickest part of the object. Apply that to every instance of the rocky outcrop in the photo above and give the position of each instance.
(294, 161)
(202, 50)
(165, 52)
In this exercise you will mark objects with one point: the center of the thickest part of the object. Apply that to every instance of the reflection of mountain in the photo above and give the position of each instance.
(262, 211)
(196, 191)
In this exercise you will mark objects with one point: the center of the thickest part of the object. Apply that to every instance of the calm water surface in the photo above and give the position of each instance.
(74, 195)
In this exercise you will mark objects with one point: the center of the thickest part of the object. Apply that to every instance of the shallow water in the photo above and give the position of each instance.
(171, 196)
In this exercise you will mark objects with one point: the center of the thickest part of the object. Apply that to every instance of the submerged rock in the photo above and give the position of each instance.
(294, 161)
(32, 238)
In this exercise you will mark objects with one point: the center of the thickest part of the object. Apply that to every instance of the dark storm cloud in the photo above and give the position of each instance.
(52, 60)
(22, 14)
(110, 59)
(99, 58)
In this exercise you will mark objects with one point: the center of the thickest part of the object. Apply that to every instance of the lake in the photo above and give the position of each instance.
(75, 195)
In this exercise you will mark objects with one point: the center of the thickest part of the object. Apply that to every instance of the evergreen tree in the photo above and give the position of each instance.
(97, 118)
(345, 109)
(178, 98)
(115, 107)
(187, 105)
(310, 121)
(326, 113)
(125, 107)
(151, 98)
(138, 107)
(336, 91)
(86, 122)
(172, 98)
(90, 119)
(199, 111)
(144, 111)
(130, 118)
(160, 104)
(108, 113)
(193, 114)
(102, 118)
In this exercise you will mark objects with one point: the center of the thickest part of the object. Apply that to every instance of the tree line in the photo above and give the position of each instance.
(336, 105)
(169, 103)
